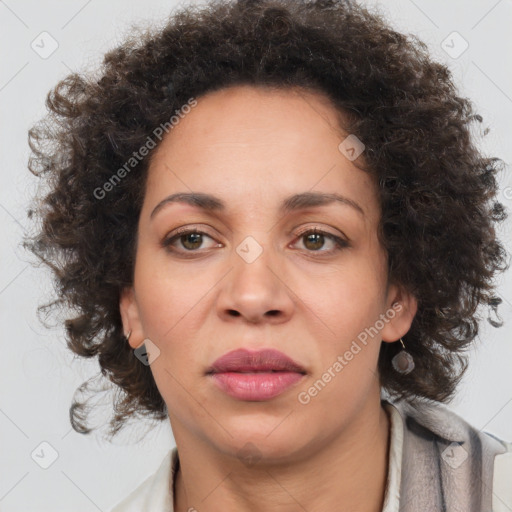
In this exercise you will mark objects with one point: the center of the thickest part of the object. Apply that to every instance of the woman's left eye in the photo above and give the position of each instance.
(314, 239)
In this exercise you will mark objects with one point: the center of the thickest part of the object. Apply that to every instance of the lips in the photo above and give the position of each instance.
(255, 376)
(245, 361)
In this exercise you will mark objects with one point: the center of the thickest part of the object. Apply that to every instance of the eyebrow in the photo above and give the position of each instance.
(296, 202)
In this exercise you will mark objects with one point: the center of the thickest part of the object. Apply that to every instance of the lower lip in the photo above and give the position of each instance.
(255, 387)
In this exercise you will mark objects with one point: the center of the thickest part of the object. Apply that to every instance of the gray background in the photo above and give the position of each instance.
(39, 376)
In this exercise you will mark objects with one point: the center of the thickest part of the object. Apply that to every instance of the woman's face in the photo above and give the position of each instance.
(258, 278)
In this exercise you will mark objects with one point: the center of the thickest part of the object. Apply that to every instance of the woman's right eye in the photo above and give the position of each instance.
(189, 239)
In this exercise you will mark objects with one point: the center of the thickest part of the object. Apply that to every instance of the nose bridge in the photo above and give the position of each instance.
(254, 289)
(253, 261)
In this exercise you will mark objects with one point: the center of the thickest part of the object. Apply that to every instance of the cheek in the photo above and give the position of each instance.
(347, 300)
(349, 306)
(349, 303)
(172, 307)
(166, 307)
(167, 297)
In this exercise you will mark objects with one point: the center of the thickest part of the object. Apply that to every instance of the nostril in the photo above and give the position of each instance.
(232, 312)
(273, 312)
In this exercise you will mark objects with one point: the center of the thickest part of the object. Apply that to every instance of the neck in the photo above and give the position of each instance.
(349, 472)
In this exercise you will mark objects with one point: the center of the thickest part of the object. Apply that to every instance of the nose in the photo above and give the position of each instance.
(255, 292)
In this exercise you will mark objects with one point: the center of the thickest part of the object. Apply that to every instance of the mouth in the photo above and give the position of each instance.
(245, 361)
(255, 376)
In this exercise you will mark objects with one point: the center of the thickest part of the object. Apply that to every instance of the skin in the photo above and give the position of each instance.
(252, 148)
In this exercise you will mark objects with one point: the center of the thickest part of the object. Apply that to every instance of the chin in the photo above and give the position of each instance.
(255, 442)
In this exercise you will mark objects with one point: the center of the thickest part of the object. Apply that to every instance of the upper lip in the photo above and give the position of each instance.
(243, 360)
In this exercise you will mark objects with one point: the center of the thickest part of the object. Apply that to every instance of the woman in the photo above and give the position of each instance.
(276, 231)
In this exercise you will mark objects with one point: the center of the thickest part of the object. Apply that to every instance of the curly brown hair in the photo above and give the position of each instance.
(437, 191)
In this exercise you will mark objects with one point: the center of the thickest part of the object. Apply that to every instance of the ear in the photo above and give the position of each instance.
(131, 318)
(401, 307)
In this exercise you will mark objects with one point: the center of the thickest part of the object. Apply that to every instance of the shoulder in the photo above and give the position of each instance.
(427, 417)
(502, 481)
(155, 492)
(458, 445)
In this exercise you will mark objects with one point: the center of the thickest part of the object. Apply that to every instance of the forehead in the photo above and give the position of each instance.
(252, 146)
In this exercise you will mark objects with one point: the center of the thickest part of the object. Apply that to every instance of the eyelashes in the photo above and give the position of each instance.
(194, 239)
(339, 243)
(170, 242)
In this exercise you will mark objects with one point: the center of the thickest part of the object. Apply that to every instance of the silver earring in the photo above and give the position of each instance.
(127, 336)
(403, 362)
